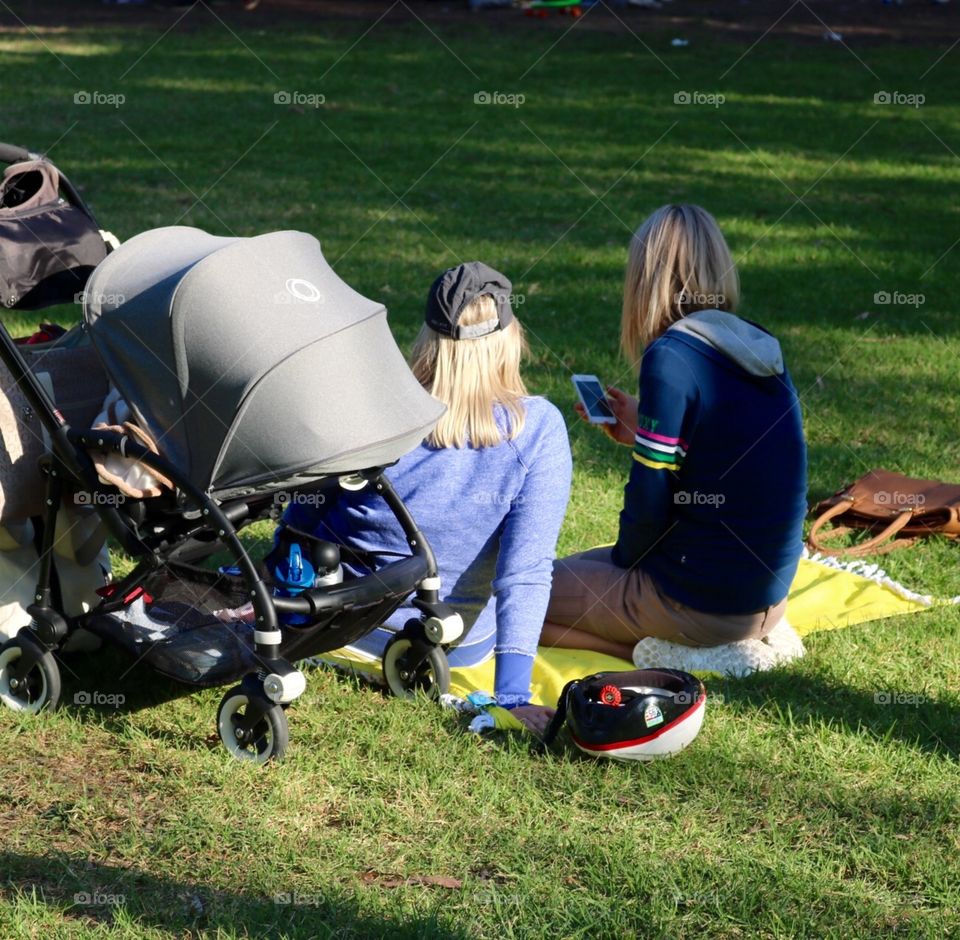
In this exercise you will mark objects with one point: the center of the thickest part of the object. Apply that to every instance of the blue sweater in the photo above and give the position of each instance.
(714, 507)
(492, 516)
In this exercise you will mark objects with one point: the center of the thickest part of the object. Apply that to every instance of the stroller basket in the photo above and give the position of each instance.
(177, 632)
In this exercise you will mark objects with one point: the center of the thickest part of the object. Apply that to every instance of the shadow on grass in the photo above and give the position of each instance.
(110, 672)
(104, 688)
(124, 696)
(95, 893)
(910, 716)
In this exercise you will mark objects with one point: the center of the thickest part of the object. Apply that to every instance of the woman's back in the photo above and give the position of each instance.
(720, 389)
(490, 514)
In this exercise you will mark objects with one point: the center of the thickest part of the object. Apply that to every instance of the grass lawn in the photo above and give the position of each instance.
(805, 808)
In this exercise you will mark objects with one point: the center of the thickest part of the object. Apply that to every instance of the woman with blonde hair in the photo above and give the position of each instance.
(488, 487)
(710, 531)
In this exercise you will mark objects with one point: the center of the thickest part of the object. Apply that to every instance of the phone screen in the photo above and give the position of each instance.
(594, 398)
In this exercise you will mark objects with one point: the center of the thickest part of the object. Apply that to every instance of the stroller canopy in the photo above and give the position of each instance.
(249, 361)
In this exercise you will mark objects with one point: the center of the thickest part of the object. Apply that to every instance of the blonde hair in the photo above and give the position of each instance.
(679, 262)
(471, 376)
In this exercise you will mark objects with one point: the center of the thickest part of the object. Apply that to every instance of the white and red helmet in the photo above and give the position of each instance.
(641, 715)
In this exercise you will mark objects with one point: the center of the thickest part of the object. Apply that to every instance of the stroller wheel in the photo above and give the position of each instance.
(411, 667)
(251, 738)
(38, 688)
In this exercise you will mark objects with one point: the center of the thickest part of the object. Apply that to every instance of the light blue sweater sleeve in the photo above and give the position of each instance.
(528, 543)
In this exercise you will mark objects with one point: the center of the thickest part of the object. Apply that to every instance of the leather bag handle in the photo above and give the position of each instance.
(864, 548)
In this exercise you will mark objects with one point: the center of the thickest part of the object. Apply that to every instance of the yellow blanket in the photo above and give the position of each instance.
(822, 597)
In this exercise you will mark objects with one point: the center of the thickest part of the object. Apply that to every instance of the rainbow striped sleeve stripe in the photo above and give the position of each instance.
(658, 451)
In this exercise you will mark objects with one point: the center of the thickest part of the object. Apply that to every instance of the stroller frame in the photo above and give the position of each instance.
(251, 719)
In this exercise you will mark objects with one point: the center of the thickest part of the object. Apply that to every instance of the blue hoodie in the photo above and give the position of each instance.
(492, 516)
(714, 507)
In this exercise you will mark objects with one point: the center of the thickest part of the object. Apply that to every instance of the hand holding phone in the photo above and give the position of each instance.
(624, 408)
(593, 399)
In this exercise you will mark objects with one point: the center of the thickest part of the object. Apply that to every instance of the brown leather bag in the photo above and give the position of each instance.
(888, 504)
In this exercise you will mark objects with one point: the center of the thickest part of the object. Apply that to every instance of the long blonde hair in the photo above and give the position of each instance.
(679, 262)
(471, 376)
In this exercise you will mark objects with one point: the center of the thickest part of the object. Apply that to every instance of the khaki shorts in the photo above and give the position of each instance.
(623, 605)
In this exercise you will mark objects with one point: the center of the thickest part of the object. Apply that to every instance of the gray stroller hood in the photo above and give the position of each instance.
(250, 362)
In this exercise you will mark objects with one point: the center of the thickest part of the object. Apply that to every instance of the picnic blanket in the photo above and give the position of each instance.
(826, 594)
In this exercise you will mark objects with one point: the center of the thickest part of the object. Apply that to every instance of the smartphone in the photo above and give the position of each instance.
(594, 399)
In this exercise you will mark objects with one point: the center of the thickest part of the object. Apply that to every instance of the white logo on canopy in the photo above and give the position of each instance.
(303, 290)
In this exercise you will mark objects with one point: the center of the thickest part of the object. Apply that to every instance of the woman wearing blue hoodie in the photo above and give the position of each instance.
(488, 487)
(710, 531)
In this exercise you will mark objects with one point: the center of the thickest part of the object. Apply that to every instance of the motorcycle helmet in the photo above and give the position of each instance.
(640, 715)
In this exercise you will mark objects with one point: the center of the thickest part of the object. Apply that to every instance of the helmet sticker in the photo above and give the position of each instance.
(652, 716)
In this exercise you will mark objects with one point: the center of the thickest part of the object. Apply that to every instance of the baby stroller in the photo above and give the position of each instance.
(254, 377)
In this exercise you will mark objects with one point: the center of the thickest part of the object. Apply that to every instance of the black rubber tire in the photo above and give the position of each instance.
(431, 677)
(40, 688)
(271, 734)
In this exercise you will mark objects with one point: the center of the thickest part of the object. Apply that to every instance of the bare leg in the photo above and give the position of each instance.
(573, 639)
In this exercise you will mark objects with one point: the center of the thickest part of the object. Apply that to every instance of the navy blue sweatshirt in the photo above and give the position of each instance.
(714, 507)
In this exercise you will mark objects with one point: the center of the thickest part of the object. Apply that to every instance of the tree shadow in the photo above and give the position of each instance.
(83, 890)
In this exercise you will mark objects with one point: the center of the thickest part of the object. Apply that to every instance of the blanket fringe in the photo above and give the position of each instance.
(873, 572)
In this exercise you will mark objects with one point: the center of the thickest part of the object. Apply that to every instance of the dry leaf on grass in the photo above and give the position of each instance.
(382, 880)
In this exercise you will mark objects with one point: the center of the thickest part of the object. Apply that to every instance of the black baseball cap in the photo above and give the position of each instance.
(453, 291)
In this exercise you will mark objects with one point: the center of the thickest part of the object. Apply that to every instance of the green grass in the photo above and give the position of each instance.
(805, 809)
